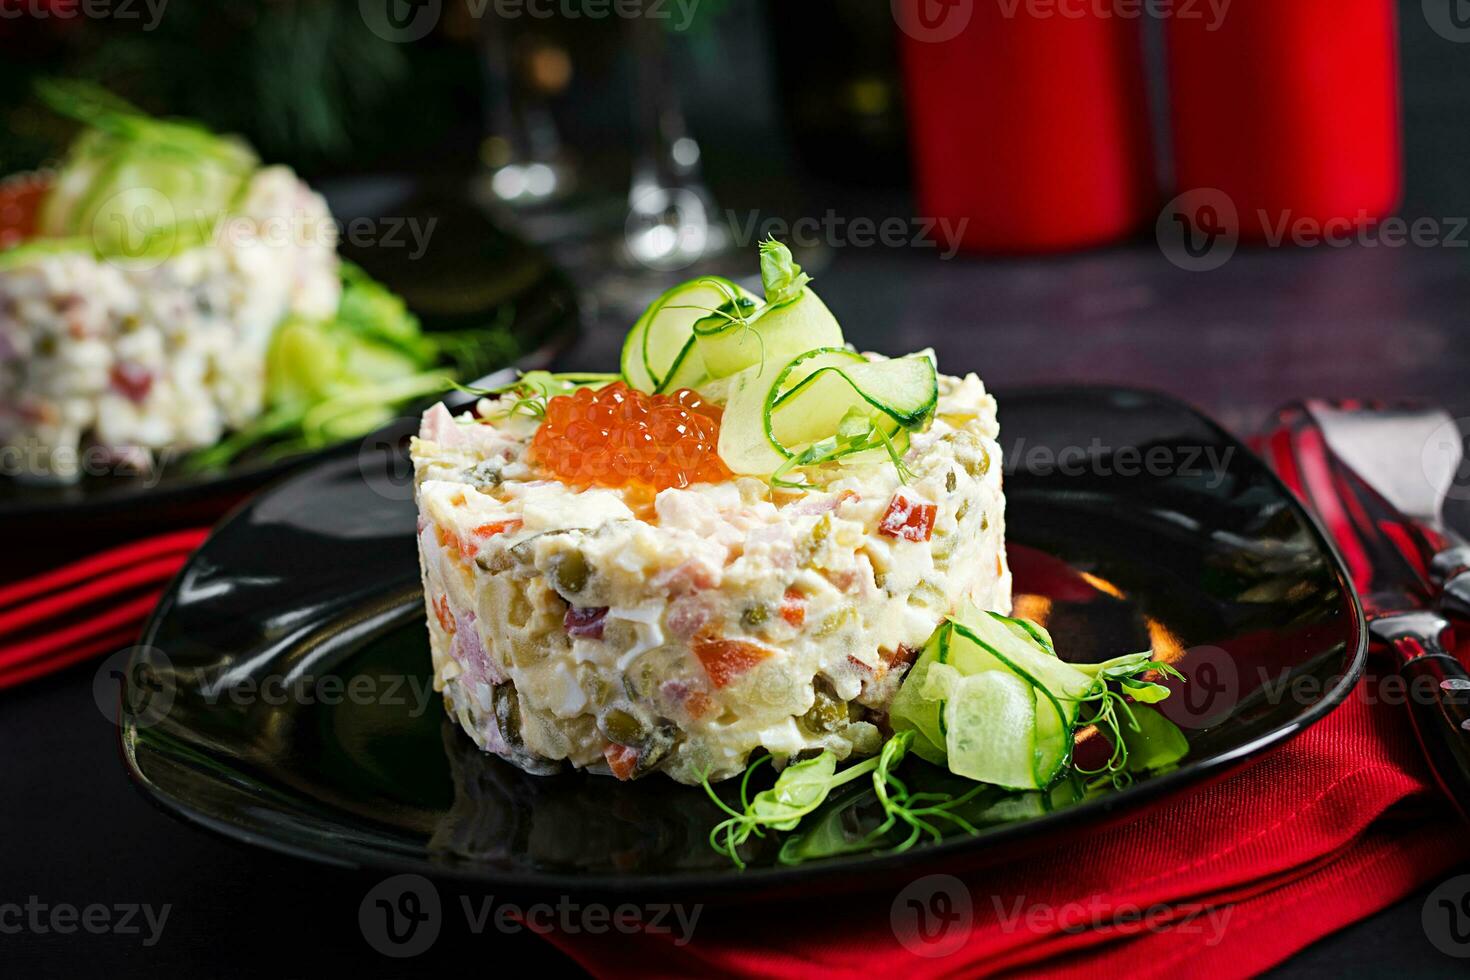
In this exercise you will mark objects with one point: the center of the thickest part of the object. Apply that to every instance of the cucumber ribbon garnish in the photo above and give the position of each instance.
(994, 711)
(795, 396)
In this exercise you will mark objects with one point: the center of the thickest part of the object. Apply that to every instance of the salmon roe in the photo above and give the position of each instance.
(618, 436)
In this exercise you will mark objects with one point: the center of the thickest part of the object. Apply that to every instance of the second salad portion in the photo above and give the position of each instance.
(163, 293)
(750, 541)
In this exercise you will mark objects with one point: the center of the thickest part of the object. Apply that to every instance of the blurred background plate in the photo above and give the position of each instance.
(456, 268)
(1207, 560)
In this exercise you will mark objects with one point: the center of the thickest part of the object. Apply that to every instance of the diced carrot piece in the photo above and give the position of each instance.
(496, 527)
(724, 660)
(621, 760)
(793, 607)
(698, 704)
(441, 613)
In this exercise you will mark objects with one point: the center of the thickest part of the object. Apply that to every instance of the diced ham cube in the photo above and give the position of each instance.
(132, 381)
(585, 621)
(793, 607)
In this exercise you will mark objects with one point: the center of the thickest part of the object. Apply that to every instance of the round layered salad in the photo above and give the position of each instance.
(738, 544)
(162, 293)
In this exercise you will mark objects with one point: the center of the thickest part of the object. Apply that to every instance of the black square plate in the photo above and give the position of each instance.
(1133, 522)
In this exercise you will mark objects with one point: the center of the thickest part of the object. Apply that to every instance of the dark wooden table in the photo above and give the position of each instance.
(1269, 326)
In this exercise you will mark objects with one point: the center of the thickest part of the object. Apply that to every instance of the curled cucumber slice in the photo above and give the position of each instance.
(660, 352)
(770, 335)
(1012, 729)
(830, 398)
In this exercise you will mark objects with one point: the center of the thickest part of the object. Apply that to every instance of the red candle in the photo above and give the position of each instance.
(1291, 109)
(1028, 121)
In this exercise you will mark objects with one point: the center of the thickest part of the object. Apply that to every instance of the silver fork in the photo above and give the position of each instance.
(1378, 476)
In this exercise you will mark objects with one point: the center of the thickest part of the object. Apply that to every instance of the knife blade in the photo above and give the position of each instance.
(1412, 457)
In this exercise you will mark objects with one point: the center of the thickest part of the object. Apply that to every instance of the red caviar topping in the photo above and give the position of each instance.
(617, 436)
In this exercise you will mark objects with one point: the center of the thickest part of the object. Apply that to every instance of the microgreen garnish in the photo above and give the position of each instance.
(533, 389)
(856, 433)
(803, 787)
(971, 651)
(781, 278)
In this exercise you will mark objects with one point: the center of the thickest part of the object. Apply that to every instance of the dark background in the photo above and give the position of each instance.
(1271, 325)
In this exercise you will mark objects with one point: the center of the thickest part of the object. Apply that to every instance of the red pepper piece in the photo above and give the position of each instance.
(908, 519)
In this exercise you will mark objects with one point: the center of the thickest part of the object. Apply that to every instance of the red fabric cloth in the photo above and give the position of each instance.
(55, 614)
(1234, 876)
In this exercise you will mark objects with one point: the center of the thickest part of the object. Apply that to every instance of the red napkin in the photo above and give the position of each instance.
(1229, 878)
(52, 618)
